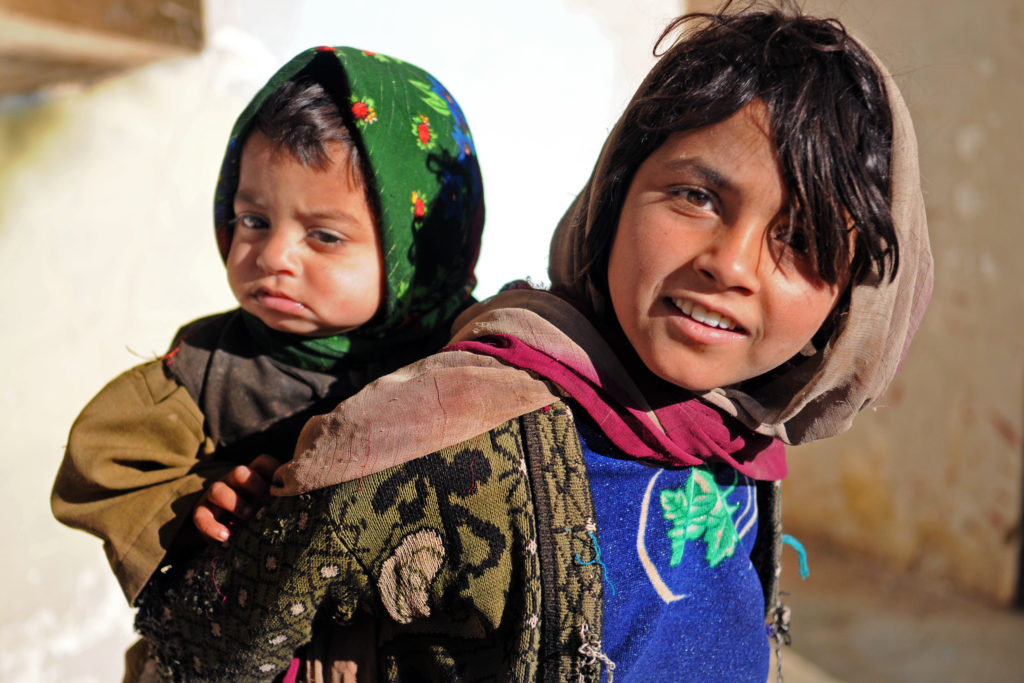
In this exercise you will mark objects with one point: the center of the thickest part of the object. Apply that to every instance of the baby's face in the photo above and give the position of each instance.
(305, 257)
(701, 280)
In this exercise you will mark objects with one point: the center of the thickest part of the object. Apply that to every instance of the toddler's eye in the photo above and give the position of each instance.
(325, 237)
(248, 221)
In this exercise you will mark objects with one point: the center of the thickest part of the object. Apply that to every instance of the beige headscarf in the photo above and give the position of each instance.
(823, 392)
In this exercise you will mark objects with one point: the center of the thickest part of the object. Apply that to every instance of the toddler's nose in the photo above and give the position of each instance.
(277, 254)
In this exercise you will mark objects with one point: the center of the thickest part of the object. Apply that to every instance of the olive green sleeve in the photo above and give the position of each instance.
(136, 461)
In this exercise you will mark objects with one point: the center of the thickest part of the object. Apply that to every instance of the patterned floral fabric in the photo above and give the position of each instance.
(427, 190)
(465, 559)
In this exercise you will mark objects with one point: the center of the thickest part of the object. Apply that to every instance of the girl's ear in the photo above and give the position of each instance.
(832, 327)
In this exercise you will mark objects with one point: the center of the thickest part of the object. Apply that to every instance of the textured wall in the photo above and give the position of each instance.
(105, 244)
(930, 480)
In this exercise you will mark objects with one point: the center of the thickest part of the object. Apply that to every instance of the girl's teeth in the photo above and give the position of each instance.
(703, 315)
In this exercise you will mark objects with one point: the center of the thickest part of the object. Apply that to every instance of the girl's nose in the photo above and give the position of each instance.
(277, 254)
(732, 256)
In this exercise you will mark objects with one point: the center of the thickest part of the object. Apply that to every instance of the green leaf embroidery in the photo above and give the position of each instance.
(431, 98)
(401, 287)
(700, 510)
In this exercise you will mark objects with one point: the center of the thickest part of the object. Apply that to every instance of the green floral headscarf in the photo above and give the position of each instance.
(424, 183)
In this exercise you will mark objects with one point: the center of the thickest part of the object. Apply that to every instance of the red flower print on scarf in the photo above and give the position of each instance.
(363, 111)
(419, 206)
(423, 132)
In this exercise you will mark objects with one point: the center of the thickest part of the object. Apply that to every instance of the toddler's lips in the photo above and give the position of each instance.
(275, 301)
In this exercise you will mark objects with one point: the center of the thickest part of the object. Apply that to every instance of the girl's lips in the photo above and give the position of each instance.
(275, 301)
(706, 316)
(702, 324)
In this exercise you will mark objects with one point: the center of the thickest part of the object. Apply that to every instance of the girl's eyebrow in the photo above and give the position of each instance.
(709, 175)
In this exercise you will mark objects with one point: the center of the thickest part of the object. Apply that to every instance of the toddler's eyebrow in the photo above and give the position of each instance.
(313, 214)
(241, 195)
(328, 213)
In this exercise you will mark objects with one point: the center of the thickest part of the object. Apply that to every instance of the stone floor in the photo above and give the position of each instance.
(852, 621)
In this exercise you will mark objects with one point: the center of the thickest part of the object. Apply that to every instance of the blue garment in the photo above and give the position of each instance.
(682, 600)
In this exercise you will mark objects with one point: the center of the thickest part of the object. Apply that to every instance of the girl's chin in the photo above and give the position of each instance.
(686, 372)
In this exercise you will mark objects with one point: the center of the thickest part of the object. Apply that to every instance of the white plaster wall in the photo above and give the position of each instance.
(106, 243)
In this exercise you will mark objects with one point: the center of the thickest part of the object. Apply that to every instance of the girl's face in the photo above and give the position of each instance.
(304, 257)
(701, 277)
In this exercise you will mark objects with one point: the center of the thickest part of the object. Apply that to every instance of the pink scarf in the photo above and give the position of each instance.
(691, 432)
(515, 353)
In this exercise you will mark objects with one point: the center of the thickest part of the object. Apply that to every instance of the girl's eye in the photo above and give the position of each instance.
(699, 199)
(794, 240)
(248, 221)
(793, 248)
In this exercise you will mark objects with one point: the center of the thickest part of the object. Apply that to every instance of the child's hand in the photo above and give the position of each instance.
(238, 494)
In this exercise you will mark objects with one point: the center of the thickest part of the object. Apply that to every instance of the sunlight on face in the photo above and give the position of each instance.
(305, 257)
(702, 281)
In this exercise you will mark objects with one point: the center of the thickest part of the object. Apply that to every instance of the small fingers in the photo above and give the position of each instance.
(206, 522)
(249, 483)
(236, 494)
(225, 496)
(265, 466)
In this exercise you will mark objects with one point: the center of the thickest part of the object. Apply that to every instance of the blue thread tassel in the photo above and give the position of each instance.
(597, 560)
(805, 571)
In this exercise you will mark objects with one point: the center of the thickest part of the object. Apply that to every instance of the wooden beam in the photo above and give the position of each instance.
(46, 42)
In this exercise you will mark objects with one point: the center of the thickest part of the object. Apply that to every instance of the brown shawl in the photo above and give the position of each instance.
(455, 395)
(822, 393)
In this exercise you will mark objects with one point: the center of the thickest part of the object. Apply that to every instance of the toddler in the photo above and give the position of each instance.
(348, 213)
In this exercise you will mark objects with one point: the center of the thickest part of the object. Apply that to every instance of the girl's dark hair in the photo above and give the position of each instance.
(829, 116)
(300, 117)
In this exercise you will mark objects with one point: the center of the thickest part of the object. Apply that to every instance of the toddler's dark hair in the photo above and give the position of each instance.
(828, 113)
(300, 117)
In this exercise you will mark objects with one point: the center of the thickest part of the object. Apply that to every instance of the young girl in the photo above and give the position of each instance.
(570, 490)
(348, 213)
